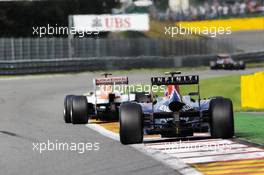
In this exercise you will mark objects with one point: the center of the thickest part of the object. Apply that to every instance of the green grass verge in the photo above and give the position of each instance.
(227, 86)
(255, 65)
(250, 127)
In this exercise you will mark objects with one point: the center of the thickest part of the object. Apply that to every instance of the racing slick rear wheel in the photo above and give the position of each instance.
(213, 65)
(67, 108)
(79, 111)
(222, 120)
(242, 65)
(131, 123)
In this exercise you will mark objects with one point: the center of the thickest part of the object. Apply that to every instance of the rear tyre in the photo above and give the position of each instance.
(67, 108)
(242, 65)
(222, 120)
(79, 112)
(131, 123)
(213, 65)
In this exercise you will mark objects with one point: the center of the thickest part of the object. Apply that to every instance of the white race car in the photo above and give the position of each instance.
(103, 103)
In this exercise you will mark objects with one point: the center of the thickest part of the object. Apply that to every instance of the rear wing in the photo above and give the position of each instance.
(111, 81)
(175, 80)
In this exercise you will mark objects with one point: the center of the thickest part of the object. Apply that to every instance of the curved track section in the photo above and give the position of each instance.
(31, 112)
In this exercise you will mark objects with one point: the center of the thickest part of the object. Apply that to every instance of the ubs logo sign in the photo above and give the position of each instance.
(97, 22)
(112, 23)
(117, 22)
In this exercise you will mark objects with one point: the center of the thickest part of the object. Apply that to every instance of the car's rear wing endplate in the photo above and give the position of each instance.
(175, 80)
(111, 81)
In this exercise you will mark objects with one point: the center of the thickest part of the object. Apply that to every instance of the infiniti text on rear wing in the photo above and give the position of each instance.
(175, 80)
(111, 81)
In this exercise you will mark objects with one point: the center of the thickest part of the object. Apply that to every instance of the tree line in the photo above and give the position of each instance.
(18, 18)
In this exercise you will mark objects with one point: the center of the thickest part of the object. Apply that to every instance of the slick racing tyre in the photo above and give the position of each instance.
(222, 120)
(79, 112)
(242, 65)
(67, 108)
(131, 123)
(213, 65)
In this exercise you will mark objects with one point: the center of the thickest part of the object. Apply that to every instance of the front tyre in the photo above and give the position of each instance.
(131, 123)
(79, 112)
(222, 120)
(67, 108)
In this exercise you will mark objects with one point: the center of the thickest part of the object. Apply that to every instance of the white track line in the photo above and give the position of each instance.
(184, 144)
(172, 162)
(224, 158)
(183, 150)
(228, 150)
(175, 154)
(215, 153)
(103, 131)
(176, 163)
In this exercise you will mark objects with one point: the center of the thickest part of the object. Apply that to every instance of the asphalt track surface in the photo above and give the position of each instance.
(31, 111)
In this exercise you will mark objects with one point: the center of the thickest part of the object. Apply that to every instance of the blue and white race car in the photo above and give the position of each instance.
(174, 115)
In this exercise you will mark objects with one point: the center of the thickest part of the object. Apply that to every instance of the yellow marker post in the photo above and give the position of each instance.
(252, 91)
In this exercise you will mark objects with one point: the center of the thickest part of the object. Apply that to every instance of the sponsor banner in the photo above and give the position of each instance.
(177, 80)
(111, 23)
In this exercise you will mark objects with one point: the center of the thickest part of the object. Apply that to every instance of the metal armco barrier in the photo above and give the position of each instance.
(60, 48)
(113, 63)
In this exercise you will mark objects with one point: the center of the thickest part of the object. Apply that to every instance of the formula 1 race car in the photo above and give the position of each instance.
(174, 115)
(224, 61)
(102, 103)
